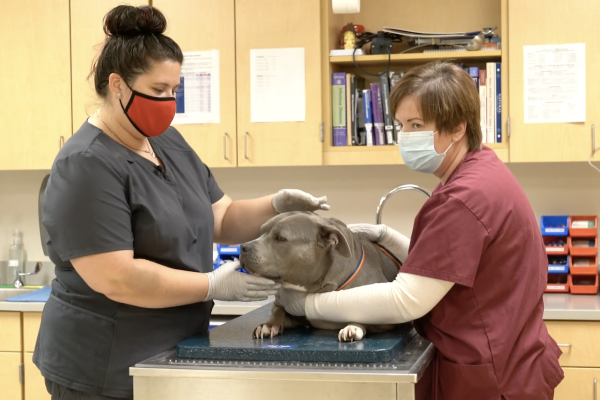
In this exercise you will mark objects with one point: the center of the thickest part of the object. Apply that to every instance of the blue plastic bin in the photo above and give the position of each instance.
(228, 250)
(555, 225)
(562, 268)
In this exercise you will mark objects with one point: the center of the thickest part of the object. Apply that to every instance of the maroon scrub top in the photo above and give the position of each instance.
(479, 231)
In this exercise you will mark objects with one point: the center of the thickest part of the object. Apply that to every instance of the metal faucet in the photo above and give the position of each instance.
(18, 282)
(393, 192)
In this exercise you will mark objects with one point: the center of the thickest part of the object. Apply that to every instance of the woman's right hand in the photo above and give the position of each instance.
(226, 283)
(373, 232)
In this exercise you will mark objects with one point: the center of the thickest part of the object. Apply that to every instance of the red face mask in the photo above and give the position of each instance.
(150, 115)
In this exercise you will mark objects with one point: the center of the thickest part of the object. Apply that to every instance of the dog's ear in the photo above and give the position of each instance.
(332, 237)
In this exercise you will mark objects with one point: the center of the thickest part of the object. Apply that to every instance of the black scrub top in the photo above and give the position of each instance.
(101, 197)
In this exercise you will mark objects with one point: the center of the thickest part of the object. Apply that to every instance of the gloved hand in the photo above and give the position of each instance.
(373, 232)
(296, 200)
(293, 301)
(227, 284)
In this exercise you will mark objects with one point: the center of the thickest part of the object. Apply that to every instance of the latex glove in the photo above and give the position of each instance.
(227, 284)
(296, 200)
(373, 232)
(293, 301)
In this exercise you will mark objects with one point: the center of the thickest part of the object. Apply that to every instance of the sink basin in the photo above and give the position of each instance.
(6, 293)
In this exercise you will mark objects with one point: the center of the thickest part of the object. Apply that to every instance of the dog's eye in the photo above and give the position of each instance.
(280, 238)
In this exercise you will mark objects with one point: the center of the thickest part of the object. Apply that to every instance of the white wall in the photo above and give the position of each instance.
(353, 192)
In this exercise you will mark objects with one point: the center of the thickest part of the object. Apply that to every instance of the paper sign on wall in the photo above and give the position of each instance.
(277, 85)
(554, 83)
(198, 96)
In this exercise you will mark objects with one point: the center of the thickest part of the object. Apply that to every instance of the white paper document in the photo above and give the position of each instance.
(277, 85)
(554, 83)
(198, 96)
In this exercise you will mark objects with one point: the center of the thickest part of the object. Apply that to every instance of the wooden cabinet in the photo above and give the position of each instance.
(269, 24)
(461, 15)
(580, 359)
(10, 331)
(87, 37)
(10, 383)
(31, 327)
(35, 385)
(578, 341)
(552, 22)
(579, 383)
(208, 25)
(11, 354)
(35, 78)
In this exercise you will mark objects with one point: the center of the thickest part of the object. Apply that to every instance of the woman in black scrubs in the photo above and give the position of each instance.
(132, 214)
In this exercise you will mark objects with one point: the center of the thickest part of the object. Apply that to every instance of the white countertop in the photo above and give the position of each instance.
(557, 306)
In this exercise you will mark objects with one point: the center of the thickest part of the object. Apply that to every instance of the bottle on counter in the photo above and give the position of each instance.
(16, 257)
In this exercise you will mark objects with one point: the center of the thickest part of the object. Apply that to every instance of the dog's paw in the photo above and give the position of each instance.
(351, 333)
(267, 330)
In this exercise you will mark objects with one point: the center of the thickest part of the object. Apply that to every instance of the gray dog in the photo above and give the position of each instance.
(307, 252)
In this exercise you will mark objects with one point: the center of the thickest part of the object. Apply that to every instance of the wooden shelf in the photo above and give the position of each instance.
(417, 58)
(382, 155)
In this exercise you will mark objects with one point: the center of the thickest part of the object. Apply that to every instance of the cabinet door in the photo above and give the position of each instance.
(35, 385)
(208, 25)
(579, 383)
(31, 327)
(35, 77)
(265, 24)
(10, 386)
(10, 331)
(87, 36)
(552, 22)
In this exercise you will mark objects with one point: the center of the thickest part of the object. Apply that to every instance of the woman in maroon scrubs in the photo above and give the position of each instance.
(475, 268)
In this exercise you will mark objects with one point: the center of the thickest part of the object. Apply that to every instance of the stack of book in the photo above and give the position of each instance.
(489, 85)
(361, 112)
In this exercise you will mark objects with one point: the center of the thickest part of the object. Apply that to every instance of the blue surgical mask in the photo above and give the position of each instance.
(418, 151)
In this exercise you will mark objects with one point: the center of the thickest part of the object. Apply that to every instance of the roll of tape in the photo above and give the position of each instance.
(345, 6)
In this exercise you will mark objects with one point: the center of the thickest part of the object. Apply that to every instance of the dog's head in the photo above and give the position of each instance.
(296, 248)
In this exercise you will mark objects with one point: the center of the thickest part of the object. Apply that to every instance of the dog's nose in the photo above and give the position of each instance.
(245, 248)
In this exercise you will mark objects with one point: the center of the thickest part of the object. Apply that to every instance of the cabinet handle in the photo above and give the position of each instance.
(225, 145)
(593, 138)
(595, 389)
(564, 345)
(61, 142)
(246, 145)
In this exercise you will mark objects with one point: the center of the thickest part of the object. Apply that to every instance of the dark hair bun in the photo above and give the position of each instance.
(133, 21)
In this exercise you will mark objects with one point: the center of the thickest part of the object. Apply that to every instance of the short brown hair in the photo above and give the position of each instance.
(446, 95)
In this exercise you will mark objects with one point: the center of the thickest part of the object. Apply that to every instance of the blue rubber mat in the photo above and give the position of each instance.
(233, 341)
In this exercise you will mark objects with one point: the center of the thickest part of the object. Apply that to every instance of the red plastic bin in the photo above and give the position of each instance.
(555, 250)
(580, 284)
(557, 283)
(586, 231)
(576, 250)
(590, 267)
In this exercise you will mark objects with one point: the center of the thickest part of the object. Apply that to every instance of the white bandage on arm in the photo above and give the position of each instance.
(405, 299)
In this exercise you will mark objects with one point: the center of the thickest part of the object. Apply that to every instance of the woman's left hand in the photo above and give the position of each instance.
(293, 301)
(296, 200)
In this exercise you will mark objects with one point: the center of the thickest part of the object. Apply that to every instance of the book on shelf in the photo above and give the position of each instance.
(378, 125)
(483, 104)
(368, 115)
(338, 108)
(488, 82)
(388, 119)
(498, 103)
